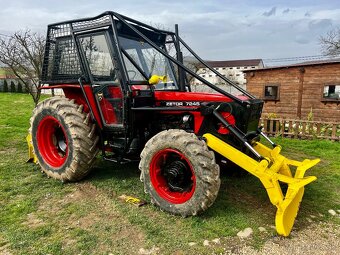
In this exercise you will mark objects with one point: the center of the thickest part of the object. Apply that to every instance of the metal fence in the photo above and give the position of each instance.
(302, 129)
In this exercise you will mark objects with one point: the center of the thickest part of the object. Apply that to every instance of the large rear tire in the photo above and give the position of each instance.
(64, 139)
(179, 172)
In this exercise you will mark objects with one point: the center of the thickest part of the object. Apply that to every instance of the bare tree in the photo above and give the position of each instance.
(330, 43)
(23, 53)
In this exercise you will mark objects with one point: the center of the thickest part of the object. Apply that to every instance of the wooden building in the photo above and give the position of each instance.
(295, 91)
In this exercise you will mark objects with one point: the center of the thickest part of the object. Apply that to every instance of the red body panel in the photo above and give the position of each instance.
(108, 109)
(74, 92)
(175, 96)
(190, 96)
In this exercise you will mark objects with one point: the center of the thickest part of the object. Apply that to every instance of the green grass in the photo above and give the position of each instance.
(43, 216)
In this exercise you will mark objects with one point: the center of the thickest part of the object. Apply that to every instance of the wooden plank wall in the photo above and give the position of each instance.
(314, 79)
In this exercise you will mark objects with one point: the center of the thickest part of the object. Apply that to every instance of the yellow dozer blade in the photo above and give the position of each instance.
(272, 170)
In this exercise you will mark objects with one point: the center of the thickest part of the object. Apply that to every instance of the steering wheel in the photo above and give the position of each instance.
(134, 73)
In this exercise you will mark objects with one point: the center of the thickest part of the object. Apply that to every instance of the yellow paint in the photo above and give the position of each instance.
(271, 171)
(31, 156)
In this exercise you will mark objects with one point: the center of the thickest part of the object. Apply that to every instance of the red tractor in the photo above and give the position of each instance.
(128, 97)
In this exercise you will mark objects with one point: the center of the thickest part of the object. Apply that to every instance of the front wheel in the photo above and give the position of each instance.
(179, 172)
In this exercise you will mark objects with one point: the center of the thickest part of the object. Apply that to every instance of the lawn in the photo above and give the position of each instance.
(43, 216)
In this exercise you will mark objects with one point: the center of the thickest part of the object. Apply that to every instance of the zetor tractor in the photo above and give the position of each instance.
(128, 95)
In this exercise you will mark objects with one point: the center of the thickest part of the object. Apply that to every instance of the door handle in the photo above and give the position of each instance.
(100, 96)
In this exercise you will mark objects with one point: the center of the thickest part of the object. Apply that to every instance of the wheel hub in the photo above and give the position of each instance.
(52, 141)
(176, 175)
(172, 176)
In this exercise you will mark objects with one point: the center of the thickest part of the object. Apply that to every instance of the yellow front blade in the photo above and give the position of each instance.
(31, 156)
(289, 208)
(272, 171)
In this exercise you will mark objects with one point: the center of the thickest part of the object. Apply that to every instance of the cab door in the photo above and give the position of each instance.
(99, 57)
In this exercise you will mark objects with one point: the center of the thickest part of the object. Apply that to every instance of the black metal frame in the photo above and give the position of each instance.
(136, 26)
(75, 28)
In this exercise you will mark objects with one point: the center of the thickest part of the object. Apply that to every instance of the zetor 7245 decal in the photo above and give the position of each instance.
(177, 103)
(128, 97)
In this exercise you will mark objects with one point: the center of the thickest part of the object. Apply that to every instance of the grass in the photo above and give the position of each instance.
(43, 216)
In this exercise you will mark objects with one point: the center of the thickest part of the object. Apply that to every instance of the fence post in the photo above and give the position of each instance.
(334, 132)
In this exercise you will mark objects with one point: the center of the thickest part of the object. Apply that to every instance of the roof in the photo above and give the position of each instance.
(6, 73)
(303, 64)
(235, 63)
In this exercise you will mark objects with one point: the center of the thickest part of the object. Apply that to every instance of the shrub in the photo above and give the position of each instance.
(19, 88)
(12, 87)
(5, 86)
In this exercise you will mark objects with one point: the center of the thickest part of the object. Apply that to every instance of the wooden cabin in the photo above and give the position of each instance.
(298, 91)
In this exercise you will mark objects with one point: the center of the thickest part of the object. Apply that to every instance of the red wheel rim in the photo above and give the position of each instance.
(172, 176)
(52, 141)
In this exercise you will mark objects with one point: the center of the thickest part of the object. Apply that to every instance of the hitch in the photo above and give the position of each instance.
(272, 170)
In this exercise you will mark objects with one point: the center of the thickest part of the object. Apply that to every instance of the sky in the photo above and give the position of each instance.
(215, 29)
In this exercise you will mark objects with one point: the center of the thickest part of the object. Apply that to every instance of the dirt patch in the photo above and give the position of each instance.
(99, 217)
(33, 221)
(318, 238)
(4, 246)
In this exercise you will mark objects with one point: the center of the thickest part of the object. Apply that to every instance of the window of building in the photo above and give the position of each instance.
(245, 67)
(331, 92)
(210, 75)
(237, 74)
(203, 75)
(238, 67)
(216, 68)
(223, 68)
(230, 68)
(271, 92)
(253, 67)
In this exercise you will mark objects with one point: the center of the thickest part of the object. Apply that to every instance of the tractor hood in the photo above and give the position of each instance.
(176, 98)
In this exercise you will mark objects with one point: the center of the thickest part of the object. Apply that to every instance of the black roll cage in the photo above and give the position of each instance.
(145, 31)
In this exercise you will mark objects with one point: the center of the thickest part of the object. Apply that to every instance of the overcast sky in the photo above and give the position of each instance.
(215, 29)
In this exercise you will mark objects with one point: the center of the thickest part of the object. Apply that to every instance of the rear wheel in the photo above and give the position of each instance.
(179, 172)
(64, 139)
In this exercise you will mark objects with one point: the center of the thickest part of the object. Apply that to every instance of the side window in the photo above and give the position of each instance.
(331, 92)
(98, 57)
(271, 92)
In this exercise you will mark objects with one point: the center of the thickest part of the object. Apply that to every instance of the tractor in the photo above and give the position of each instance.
(127, 95)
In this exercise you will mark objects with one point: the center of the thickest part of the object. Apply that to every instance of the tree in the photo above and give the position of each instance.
(23, 53)
(5, 86)
(13, 87)
(330, 43)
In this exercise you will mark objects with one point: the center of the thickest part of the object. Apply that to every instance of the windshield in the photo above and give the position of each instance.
(142, 61)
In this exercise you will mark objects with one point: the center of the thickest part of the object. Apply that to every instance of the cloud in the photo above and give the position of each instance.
(307, 14)
(300, 39)
(286, 11)
(270, 13)
(320, 24)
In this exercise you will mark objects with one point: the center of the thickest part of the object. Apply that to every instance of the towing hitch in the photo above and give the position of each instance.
(272, 170)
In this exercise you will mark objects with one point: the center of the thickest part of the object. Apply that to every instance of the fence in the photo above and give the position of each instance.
(303, 129)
